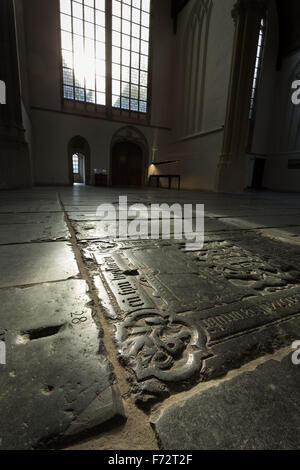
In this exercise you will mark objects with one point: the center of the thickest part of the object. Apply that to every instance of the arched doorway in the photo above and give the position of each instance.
(129, 158)
(79, 157)
(127, 164)
(78, 161)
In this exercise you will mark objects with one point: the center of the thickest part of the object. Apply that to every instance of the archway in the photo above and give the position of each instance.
(79, 157)
(129, 158)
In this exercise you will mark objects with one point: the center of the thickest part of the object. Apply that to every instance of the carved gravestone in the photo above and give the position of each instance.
(183, 317)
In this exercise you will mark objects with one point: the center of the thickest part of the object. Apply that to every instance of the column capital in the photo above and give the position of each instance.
(243, 6)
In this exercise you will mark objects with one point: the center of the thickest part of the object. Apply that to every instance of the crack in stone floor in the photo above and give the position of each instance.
(135, 419)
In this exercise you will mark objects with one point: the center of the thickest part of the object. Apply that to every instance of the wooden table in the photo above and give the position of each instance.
(170, 178)
(101, 180)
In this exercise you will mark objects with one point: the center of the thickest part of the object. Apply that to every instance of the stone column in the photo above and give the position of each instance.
(247, 15)
(11, 113)
(14, 153)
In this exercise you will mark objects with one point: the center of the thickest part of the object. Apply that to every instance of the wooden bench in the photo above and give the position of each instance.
(170, 178)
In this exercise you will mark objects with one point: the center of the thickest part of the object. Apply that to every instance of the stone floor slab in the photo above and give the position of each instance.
(25, 233)
(24, 207)
(95, 230)
(266, 221)
(48, 218)
(57, 383)
(256, 410)
(35, 263)
(178, 316)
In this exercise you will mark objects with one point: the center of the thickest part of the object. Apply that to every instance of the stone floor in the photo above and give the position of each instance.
(144, 344)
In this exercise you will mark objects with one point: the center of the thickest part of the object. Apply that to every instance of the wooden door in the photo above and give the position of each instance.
(258, 173)
(127, 165)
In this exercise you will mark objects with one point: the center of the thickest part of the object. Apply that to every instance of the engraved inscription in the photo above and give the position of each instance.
(268, 311)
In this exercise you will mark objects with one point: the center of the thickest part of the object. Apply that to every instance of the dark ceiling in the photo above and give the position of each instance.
(289, 26)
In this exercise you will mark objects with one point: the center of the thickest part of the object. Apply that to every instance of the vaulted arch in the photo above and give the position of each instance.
(194, 68)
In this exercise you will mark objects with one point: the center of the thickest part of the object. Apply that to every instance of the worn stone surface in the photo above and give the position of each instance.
(29, 201)
(49, 218)
(116, 215)
(256, 410)
(93, 230)
(286, 234)
(26, 232)
(177, 317)
(35, 263)
(264, 221)
(57, 383)
(10, 207)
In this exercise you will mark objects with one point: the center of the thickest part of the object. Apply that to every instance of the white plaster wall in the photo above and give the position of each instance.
(43, 52)
(199, 156)
(284, 141)
(54, 130)
(163, 43)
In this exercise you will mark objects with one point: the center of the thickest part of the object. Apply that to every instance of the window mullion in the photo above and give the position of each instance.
(108, 57)
(121, 57)
(140, 58)
(73, 58)
(130, 81)
(84, 49)
(95, 57)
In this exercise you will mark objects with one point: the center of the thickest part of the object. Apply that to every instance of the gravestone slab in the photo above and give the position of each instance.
(182, 317)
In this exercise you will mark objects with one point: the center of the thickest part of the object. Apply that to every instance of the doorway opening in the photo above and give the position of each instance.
(258, 173)
(79, 161)
(129, 158)
(127, 164)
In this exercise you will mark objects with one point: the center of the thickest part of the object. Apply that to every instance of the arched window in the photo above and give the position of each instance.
(75, 162)
(2, 92)
(105, 54)
(256, 79)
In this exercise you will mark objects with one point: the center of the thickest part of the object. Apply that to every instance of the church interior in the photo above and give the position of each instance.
(149, 225)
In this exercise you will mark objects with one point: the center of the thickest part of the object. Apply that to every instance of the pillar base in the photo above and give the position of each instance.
(15, 165)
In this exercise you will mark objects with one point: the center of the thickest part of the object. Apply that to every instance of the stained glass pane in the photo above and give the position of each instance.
(132, 19)
(83, 40)
(65, 6)
(68, 76)
(68, 92)
(84, 54)
(66, 23)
